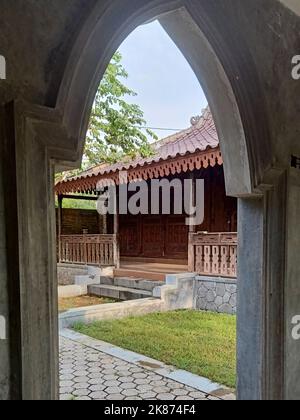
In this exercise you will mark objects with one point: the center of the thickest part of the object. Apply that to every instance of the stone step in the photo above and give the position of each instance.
(117, 292)
(131, 283)
(137, 274)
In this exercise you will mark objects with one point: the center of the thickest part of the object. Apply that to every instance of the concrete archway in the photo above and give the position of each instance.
(230, 81)
(216, 63)
(232, 47)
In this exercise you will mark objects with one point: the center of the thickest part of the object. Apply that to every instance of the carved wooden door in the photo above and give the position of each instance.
(130, 236)
(176, 237)
(153, 237)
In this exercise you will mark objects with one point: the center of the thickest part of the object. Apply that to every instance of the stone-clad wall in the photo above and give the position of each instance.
(215, 294)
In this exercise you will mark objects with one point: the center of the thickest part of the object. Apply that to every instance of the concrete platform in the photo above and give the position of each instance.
(118, 292)
(149, 270)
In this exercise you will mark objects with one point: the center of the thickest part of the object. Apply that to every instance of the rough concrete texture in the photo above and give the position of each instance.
(66, 273)
(109, 311)
(72, 291)
(215, 295)
(177, 293)
(292, 297)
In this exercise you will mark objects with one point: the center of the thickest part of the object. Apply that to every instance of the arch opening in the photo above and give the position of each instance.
(93, 51)
(164, 251)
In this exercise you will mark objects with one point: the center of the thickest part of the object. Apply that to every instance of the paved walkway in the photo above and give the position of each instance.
(89, 374)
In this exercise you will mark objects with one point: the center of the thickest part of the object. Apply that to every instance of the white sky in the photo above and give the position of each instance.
(168, 91)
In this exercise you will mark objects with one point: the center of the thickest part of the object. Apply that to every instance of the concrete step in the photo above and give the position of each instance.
(131, 283)
(117, 292)
(123, 272)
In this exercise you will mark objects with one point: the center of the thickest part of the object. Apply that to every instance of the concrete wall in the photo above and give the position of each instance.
(215, 294)
(66, 273)
(4, 344)
(292, 296)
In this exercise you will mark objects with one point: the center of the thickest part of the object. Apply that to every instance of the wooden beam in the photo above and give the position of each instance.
(80, 197)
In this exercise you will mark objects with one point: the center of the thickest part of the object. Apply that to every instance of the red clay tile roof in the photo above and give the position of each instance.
(201, 137)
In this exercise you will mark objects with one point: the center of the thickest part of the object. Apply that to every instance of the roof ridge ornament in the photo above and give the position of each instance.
(204, 113)
(195, 120)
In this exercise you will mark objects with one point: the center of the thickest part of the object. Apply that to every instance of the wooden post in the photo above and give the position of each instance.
(191, 251)
(117, 239)
(60, 215)
(192, 228)
(105, 224)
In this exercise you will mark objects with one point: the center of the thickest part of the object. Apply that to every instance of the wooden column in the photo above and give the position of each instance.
(116, 233)
(59, 216)
(192, 228)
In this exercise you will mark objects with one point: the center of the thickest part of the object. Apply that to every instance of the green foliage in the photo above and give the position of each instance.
(77, 204)
(115, 128)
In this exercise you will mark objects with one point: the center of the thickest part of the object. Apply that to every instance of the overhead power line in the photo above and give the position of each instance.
(163, 129)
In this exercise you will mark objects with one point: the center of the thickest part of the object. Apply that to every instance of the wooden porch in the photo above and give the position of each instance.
(209, 254)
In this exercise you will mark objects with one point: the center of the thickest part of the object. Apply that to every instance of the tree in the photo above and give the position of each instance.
(116, 126)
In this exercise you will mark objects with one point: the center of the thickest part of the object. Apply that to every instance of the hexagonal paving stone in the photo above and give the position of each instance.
(81, 392)
(145, 388)
(125, 379)
(197, 395)
(128, 385)
(69, 377)
(139, 375)
(88, 374)
(113, 390)
(95, 388)
(112, 384)
(83, 379)
(98, 395)
(180, 392)
(95, 381)
(116, 397)
(162, 389)
(66, 384)
(130, 393)
(148, 396)
(81, 385)
(66, 397)
(166, 397)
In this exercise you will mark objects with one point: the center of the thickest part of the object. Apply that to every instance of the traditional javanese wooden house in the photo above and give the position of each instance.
(158, 243)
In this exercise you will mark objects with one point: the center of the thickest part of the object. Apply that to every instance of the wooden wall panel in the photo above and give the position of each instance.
(75, 221)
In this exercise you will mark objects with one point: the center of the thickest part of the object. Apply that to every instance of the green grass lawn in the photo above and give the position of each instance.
(203, 343)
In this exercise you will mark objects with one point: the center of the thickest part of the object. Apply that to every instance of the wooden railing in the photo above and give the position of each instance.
(213, 254)
(102, 250)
